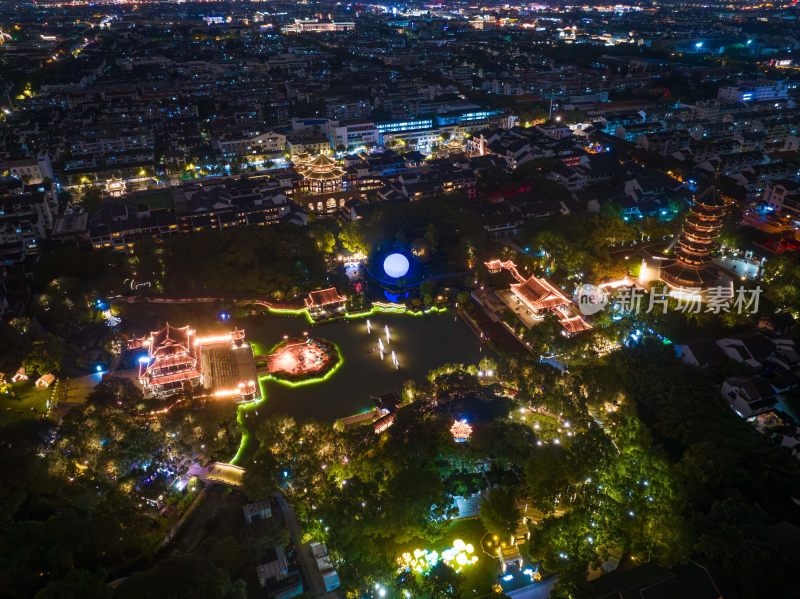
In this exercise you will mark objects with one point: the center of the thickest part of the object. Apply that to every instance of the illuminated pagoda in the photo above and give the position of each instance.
(172, 361)
(324, 303)
(691, 268)
(321, 174)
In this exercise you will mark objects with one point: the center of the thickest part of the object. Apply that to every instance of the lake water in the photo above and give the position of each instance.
(421, 343)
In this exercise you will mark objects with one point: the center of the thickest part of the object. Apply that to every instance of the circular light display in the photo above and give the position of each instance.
(395, 265)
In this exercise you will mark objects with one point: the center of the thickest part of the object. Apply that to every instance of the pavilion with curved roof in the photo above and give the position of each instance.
(321, 174)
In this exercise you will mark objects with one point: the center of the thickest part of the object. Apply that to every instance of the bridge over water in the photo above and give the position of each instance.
(219, 472)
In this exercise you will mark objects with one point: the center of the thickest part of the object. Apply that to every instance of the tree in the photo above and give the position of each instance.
(499, 511)
(442, 582)
(327, 243)
(545, 337)
(492, 179)
(782, 275)
(324, 238)
(65, 198)
(432, 238)
(116, 391)
(546, 475)
(77, 584)
(46, 356)
(571, 584)
(352, 239)
(272, 534)
(227, 553)
(426, 290)
(261, 478)
(91, 199)
(184, 576)
(535, 168)
(611, 209)
(248, 261)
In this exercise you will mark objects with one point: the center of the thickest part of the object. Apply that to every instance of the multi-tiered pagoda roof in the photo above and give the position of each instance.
(172, 361)
(321, 174)
(692, 265)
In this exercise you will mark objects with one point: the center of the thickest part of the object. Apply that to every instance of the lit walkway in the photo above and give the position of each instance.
(219, 472)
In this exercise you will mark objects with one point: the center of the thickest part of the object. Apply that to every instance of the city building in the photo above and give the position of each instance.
(178, 359)
(532, 298)
(330, 577)
(321, 174)
(27, 214)
(29, 170)
(692, 267)
(325, 303)
(255, 148)
(315, 26)
(783, 197)
(350, 135)
(756, 91)
(216, 205)
(172, 363)
(258, 510)
(321, 190)
(748, 396)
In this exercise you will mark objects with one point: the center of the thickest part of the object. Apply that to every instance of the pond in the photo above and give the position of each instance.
(421, 343)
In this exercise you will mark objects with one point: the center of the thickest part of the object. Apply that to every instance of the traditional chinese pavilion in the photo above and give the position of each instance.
(321, 174)
(692, 265)
(172, 361)
(324, 303)
(539, 296)
(321, 191)
(461, 431)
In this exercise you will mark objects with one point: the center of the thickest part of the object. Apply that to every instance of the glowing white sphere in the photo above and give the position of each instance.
(395, 265)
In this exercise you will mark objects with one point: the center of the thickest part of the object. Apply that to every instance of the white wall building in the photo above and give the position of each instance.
(351, 135)
(315, 26)
(761, 91)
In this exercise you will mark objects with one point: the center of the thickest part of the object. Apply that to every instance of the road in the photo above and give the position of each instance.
(307, 561)
(537, 590)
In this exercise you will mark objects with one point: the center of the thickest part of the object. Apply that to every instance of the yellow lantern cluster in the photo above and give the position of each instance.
(420, 560)
(459, 555)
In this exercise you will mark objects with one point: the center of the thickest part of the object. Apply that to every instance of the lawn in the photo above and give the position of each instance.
(480, 577)
(483, 575)
(25, 401)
